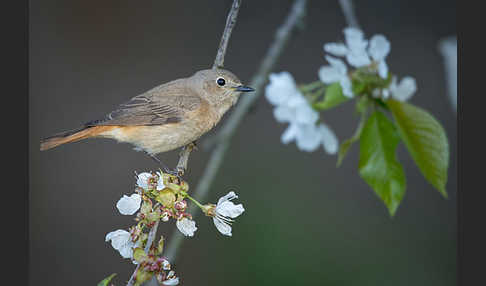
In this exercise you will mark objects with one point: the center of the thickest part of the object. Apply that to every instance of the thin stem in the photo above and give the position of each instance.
(193, 200)
(349, 15)
(282, 36)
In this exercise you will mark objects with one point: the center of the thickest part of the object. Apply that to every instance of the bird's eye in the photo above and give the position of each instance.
(220, 81)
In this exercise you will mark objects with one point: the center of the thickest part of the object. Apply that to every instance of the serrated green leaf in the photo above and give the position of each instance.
(107, 280)
(378, 164)
(425, 140)
(344, 147)
(333, 97)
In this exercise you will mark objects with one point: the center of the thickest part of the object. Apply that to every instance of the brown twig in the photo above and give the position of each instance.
(230, 24)
(260, 78)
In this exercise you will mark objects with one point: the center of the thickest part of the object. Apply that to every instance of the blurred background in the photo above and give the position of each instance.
(306, 221)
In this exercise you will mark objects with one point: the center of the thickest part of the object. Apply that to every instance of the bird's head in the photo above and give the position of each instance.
(220, 87)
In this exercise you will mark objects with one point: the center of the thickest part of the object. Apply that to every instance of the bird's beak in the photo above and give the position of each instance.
(243, 88)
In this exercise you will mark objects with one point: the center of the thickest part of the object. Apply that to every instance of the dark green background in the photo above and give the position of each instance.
(306, 222)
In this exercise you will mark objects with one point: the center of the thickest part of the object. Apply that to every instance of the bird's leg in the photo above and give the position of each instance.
(184, 157)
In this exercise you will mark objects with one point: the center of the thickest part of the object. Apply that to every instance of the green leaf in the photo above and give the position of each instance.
(344, 147)
(333, 97)
(107, 280)
(378, 165)
(425, 140)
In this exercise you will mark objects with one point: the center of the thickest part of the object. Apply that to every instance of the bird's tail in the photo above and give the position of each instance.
(71, 136)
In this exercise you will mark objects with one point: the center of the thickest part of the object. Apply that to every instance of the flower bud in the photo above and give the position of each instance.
(180, 206)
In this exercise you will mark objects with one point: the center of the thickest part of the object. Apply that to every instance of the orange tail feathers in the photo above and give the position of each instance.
(72, 136)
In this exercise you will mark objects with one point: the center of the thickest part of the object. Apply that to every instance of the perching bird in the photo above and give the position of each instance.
(166, 117)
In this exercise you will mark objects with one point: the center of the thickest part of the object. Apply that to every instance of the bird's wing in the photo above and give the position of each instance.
(161, 105)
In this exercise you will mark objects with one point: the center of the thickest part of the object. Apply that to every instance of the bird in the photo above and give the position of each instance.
(166, 117)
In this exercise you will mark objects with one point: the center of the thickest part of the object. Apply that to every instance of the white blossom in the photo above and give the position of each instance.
(122, 242)
(404, 90)
(359, 52)
(378, 50)
(142, 181)
(356, 43)
(336, 72)
(186, 226)
(128, 205)
(171, 279)
(354, 50)
(296, 109)
(293, 108)
(309, 137)
(282, 87)
(226, 211)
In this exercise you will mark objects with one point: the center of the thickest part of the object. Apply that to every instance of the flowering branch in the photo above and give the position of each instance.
(150, 240)
(282, 36)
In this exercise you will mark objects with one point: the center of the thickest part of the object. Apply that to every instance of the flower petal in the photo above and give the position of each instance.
(142, 180)
(171, 282)
(186, 226)
(128, 205)
(354, 39)
(222, 227)
(283, 113)
(289, 134)
(405, 89)
(228, 197)
(338, 64)
(383, 69)
(126, 251)
(305, 114)
(336, 49)
(358, 58)
(379, 47)
(121, 241)
(308, 139)
(329, 74)
(281, 87)
(229, 209)
(329, 139)
(346, 86)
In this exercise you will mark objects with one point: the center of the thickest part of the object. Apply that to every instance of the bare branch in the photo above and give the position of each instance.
(282, 36)
(223, 44)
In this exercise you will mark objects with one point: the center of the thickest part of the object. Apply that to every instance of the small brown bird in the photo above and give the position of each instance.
(166, 117)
